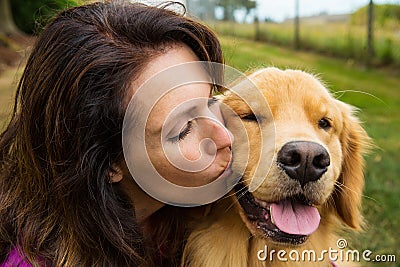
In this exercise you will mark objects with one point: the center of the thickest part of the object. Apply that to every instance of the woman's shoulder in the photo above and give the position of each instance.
(15, 259)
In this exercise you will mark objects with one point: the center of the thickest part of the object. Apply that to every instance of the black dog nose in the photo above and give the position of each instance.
(303, 161)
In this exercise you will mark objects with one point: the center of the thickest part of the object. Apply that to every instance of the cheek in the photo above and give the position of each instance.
(261, 145)
(190, 148)
(163, 152)
(189, 154)
(184, 163)
(336, 156)
(171, 160)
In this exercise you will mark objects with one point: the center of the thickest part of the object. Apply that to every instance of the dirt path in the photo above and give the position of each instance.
(8, 84)
(14, 50)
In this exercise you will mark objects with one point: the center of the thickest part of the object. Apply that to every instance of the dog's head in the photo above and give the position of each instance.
(315, 144)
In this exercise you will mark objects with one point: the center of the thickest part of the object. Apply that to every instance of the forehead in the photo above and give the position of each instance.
(290, 85)
(181, 99)
(285, 91)
(168, 80)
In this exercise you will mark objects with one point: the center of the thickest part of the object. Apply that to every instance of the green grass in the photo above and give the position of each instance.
(377, 94)
(339, 39)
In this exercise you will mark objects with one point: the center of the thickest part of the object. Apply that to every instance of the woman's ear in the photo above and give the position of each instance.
(115, 174)
(348, 194)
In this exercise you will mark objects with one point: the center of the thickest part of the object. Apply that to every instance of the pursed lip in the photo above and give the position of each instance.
(227, 170)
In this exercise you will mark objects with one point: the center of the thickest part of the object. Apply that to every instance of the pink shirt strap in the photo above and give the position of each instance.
(334, 264)
(15, 259)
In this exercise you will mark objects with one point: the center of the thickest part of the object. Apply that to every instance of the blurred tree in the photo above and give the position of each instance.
(230, 6)
(31, 15)
(204, 9)
(7, 25)
(249, 5)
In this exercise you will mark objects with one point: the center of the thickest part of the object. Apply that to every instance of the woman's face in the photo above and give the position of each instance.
(184, 134)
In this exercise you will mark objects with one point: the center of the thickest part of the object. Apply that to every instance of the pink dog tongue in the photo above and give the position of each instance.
(295, 218)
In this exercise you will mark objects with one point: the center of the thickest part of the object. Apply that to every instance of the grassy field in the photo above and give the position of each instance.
(339, 39)
(377, 94)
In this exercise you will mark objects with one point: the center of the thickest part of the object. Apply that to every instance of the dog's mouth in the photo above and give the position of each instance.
(288, 221)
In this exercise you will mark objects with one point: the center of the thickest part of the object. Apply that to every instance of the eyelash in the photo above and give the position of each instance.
(212, 101)
(189, 125)
(183, 133)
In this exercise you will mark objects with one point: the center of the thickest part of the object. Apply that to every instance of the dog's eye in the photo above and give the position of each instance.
(249, 117)
(324, 124)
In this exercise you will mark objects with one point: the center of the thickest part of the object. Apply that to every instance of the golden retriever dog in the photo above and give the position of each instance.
(311, 189)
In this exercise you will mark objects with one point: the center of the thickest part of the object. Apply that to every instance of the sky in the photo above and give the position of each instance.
(279, 10)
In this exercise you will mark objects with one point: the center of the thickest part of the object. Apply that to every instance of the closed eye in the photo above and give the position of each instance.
(212, 101)
(249, 117)
(182, 134)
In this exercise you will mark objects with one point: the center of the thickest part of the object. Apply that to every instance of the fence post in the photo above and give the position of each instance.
(256, 29)
(297, 27)
(370, 36)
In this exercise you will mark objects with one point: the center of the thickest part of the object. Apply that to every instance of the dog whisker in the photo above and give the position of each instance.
(348, 188)
(229, 207)
(239, 194)
(233, 194)
(341, 93)
(242, 194)
(228, 195)
(331, 200)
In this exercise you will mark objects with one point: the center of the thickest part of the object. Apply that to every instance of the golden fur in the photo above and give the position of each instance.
(297, 101)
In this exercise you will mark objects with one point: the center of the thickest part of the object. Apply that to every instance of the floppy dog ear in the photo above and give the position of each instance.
(348, 192)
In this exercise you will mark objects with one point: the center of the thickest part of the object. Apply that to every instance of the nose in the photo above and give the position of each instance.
(221, 135)
(303, 161)
(218, 133)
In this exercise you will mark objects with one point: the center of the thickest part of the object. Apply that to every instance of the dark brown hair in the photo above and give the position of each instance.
(65, 133)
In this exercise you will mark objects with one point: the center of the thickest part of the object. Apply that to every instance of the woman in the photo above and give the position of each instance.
(66, 195)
